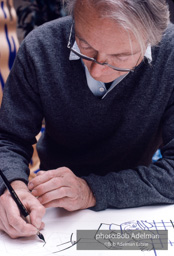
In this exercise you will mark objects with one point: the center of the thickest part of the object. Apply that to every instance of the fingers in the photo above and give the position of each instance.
(66, 203)
(50, 180)
(55, 194)
(47, 186)
(35, 209)
(11, 221)
(62, 188)
(44, 176)
(14, 233)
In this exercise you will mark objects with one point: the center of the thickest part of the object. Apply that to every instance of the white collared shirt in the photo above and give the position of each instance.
(98, 88)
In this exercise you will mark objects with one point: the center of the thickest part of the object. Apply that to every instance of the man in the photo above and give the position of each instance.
(103, 81)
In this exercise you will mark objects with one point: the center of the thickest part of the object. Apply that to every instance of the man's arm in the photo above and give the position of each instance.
(20, 121)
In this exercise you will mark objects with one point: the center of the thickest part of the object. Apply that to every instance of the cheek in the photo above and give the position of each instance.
(87, 64)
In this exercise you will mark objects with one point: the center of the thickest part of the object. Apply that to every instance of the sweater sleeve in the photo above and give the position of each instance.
(20, 118)
(143, 185)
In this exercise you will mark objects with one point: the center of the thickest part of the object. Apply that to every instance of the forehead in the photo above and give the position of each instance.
(103, 34)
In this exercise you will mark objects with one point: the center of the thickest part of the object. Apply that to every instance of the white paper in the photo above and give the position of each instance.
(61, 226)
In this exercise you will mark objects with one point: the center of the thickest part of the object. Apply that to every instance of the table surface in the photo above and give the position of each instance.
(61, 227)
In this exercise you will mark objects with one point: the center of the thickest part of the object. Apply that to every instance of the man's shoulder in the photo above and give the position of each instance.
(170, 29)
(52, 34)
(51, 30)
(168, 36)
(60, 23)
(165, 48)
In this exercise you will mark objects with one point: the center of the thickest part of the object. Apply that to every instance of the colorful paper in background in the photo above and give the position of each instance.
(8, 40)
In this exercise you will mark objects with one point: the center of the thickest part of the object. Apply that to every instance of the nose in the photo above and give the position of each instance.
(96, 69)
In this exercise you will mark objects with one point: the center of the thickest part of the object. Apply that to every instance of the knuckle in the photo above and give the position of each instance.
(66, 169)
(55, 181)
(69, 171)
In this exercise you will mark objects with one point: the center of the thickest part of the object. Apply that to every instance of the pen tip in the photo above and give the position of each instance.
(41, 236)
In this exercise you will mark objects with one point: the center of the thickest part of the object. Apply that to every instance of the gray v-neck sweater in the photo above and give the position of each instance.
(109, 142)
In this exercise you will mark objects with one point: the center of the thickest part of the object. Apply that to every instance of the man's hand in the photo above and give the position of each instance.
(62, 188)
(11, 221)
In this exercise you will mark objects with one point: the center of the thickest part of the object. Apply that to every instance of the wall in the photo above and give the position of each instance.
(9, 42)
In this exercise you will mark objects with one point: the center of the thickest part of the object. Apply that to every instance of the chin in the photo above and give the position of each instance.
(104, 80)
(107, 79)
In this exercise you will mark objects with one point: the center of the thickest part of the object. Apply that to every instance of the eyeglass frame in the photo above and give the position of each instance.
(82, 56)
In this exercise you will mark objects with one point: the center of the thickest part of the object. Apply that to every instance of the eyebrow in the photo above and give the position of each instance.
(114, 55)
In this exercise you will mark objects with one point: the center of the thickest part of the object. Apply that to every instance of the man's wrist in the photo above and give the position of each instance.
(19, 184)
(91, 202)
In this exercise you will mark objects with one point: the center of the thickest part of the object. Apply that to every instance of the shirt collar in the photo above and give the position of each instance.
(73, 56)
(148, 53)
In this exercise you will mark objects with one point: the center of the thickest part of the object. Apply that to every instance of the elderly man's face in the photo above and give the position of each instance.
(105, 41)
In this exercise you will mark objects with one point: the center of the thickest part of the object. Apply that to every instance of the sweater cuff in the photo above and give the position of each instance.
(99, 187)
(10, 177)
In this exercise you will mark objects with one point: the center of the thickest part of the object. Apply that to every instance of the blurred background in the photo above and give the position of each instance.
(50, 10)
(33, 13)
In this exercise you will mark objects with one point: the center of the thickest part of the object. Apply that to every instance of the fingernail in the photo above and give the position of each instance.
(30, 186)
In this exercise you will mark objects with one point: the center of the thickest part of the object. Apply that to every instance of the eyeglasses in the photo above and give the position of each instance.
(82, 56)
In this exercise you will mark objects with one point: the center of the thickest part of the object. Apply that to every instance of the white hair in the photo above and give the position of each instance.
(146, 19)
